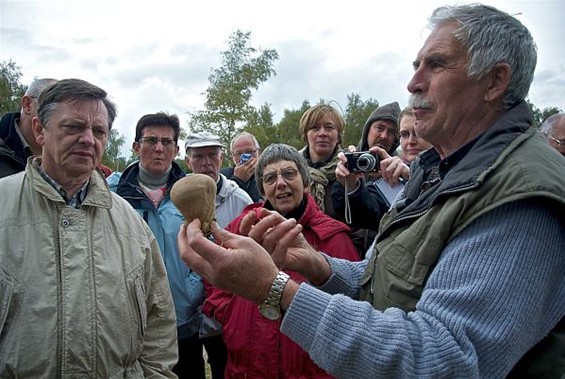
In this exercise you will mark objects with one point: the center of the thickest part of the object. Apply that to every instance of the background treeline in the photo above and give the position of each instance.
(227, 109)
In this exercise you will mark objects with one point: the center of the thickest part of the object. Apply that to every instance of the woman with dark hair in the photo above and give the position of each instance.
(256, 347)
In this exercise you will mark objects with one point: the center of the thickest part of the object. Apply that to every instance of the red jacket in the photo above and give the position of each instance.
(256, 347)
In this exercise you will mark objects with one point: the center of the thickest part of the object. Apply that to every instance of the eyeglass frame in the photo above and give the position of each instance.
(558, 142)
(165, 141)
(275, 175)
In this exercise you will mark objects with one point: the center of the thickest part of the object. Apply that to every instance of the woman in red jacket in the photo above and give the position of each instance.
(256, 347)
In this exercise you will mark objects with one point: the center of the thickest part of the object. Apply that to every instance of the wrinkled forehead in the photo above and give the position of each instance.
(243, 142)
(205, 150)
(441, 41)
(407, 122)
(559, 127)
(87, 112)
(279, 165)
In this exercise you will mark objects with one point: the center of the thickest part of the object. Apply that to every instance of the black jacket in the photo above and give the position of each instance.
(13, 153)
(249, 186)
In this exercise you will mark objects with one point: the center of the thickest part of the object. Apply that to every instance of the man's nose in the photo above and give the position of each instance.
(87, 137)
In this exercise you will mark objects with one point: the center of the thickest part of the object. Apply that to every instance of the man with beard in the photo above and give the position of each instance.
(369, 190)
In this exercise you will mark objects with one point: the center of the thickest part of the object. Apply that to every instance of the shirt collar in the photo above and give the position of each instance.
(74, 201)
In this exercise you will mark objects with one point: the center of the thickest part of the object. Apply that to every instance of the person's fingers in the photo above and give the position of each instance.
(267, 222)
(392, 169)
(292, 238)
(380, 152)
(188, 255)
(273, 236)
(247, 223)
(341, 173)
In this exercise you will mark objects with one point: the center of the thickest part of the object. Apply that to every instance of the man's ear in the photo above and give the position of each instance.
(38, 130)
(499, 78)
(27, 104)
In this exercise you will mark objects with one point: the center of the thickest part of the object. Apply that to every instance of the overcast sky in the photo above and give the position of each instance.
(157, 55)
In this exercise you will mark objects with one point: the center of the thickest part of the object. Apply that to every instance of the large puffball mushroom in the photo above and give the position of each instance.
(195, 197)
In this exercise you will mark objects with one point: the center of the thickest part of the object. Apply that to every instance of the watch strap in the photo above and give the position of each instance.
(276, 290)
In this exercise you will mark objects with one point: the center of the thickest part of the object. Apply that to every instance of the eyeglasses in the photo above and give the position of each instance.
(405, 134)
(559, 142)
(152, 141)
(288, 174)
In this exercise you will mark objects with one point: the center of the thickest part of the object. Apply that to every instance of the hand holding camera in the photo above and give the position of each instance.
(245, 169)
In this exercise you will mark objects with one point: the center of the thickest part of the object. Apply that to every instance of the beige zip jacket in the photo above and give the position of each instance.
(83, 292)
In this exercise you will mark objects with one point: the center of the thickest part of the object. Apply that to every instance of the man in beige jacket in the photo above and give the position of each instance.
(83, 289)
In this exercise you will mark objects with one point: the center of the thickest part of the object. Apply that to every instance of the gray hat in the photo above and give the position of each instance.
(202, 139)
(389, 112)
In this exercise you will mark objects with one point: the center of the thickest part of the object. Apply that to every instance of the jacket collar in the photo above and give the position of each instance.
(129, 181)
(98, 194)
(470, 168)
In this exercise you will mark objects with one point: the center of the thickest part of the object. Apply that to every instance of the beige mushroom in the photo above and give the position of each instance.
(195, 197)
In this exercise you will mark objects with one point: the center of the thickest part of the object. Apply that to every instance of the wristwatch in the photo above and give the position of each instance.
(271, 307)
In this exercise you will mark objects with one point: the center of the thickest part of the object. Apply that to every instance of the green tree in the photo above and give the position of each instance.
(357, 112)
(227, 109)
(11, 90)
(286, 131)
(538, 115)
(112, 156)
(260, 124)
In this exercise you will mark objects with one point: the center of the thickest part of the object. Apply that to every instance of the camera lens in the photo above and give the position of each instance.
(366, 162)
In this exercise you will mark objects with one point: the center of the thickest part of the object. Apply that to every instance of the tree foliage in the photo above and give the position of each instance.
(11, 89)
(112, 156)
(227, 107)
(539, 116)
(260, 124)
(357, 112)
(286, 131)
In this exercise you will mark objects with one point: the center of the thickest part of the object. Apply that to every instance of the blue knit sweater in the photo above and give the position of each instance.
(491, 297)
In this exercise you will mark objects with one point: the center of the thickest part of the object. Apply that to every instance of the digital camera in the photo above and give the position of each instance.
(244, 158)
(362, 161)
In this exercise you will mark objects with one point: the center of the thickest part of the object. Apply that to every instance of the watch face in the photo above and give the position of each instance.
(272, 313)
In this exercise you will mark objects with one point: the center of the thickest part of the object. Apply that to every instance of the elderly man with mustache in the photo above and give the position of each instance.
(466, 275)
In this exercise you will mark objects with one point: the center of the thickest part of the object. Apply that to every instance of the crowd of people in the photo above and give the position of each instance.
(412, 254)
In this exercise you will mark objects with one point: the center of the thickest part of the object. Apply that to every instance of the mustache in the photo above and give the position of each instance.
(417, 101)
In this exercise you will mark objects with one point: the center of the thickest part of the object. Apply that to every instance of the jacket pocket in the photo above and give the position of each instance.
(10, 306)
(9, 303)
(406, 262)
(137, 309)
(141, 299)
